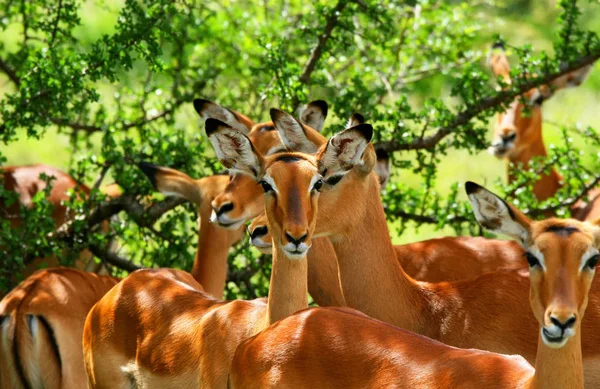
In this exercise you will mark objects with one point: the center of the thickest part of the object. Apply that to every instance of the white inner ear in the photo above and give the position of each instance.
(215, 111)
(490, 210)
(232, 145)
(293, 136)
(588, 254)
(352, 122)
(313, 116)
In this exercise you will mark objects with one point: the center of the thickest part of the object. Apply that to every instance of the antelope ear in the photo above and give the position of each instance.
(314, 114)
(344, 151)
(355, 120)
(293, 134)
(234, 149)
(497, 215)
(207, 109)
(171, 182)
(498, 62)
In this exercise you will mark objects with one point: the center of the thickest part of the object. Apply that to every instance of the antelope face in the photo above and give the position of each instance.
(291, 184)
(562, 261)
(562, 256)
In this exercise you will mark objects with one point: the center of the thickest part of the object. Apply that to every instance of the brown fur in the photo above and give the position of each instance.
(527, 132)
(184, 337)
(482, 313)
(55, 303)
(25, 181)
(433, 260)
(343, 349)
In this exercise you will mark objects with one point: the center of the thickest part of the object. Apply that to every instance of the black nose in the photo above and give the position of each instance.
(509, 138)
(296, 241)
(259, 231)
(224, 208)
(563, 326)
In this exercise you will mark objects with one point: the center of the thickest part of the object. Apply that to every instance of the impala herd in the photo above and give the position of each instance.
(452, 312)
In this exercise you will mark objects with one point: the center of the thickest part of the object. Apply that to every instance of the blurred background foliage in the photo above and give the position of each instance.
(93, 87)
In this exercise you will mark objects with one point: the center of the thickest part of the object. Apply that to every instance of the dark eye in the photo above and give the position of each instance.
(318, 185)
(334, 179)
(592, 261)
(532, 260)
(266, 186)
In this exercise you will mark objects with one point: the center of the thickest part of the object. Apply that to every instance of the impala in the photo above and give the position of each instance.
(464, 313)
(341, 348)
(518, 137)
(41, 326)
(434, 260)
(211, 194)
(132, 337)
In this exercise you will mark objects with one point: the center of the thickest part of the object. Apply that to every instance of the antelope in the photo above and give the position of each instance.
(462, 314)
(133, 338)
(434, 260)
(216, 207)
(41, 326)
(518, 137)
(25, 181)
(342, 348)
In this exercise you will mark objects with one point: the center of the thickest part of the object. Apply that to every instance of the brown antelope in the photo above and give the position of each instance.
(41, 326)
(25, 181)
(155, 330)
(518, 137)
(341, 348)
(464, 313)
(216, 233)
(214, 242)
(434, 260)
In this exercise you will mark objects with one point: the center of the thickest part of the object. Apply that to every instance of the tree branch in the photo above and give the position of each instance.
(108, 256)
(317, 51)
(10, 72)
(55, 28)
(470, 112)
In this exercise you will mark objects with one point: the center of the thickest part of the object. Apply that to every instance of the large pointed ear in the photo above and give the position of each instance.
(207, 109)
(234, 149)
(344, 151)
(572, 79)
(497, 215)
(171, 182)
(383, 167)
(498, 62)
(355, 120)
(294, 135)
(314, 114)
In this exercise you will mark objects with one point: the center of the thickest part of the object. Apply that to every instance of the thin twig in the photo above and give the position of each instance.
(482, 105)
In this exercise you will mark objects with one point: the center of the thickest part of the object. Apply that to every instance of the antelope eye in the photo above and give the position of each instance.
(592, 261)
(532, 260)
(266, 186)
(318, 185)
(334, 179)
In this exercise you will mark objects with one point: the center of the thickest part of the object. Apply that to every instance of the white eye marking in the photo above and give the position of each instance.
(269, 180)
(539, 256)
(585, 257)
(314, 179)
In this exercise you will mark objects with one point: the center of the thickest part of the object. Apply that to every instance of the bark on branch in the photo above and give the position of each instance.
(317, 51)
(470, 112)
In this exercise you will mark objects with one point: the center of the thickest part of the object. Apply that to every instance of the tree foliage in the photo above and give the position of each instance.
(124, 97)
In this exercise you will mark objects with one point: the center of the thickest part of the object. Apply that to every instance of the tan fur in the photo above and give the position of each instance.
(214, 242)
(434, 260)
(62, 298)
(463, 314)
(341, 348)
(526, 132)
(158, 326)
